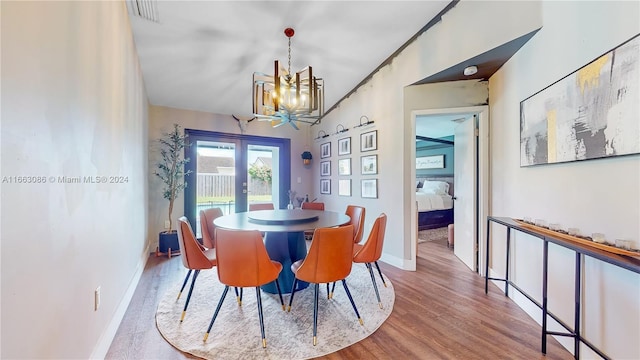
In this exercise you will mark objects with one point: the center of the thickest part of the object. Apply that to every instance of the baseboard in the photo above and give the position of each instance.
(102, 347)
(404, 264)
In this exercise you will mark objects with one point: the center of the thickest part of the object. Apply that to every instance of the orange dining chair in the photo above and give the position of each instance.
(207, 227)
(370, 252)
(243, 262)
(356, 213)
(194, 257)
(208, 230)
(262, 206)
(329, 260)
(313, 206)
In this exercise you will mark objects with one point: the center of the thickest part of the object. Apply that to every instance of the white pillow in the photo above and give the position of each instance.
(435, 187)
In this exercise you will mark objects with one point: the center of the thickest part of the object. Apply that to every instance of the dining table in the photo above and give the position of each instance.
(283, 235)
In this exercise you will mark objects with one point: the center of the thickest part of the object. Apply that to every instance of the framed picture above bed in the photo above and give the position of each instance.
(430, 162)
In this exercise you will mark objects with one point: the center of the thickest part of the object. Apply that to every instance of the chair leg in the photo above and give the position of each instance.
(328, 292)
(186, 303)
(346, 289)
(186, 279)
(315, 313)
(380, 272)
(259, 298)
(238, 296)
(293, 291)
(215, 314)
(279, 293)
(333, 288)
(375, 286)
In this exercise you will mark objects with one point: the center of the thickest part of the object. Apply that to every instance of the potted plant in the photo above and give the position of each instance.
(170, 169)
(306, 157)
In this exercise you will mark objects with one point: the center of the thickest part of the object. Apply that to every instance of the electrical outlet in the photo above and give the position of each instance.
(167, 224)
(299, 180)
(96, 296)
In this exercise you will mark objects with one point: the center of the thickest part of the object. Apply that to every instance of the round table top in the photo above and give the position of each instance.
(295, 220)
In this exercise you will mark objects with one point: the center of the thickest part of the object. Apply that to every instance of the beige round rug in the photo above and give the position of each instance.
(236, 332)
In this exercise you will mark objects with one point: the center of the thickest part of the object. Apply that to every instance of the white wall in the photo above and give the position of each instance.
(73, 104)
(454, 39)
(595, 196)
(161, 119)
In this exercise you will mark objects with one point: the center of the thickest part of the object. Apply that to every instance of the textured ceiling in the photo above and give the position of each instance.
(201, 55)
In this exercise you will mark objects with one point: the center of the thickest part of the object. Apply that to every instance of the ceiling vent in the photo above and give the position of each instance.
(146, 9)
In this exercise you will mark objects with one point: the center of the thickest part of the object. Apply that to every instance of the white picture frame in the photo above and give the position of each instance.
(325, 150)
(344, 146)
(369, 141)
(325, 168)
(344, 166)
(369, 188)
(344, 187)
(325, 186)
(369, 165)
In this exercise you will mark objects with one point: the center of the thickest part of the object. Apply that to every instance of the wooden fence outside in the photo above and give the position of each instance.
(224, 185)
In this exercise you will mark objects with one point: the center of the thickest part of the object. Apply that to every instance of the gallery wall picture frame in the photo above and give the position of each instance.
(369, 165)
(325, 186)
(588, 114)
(325, 168)
(344, 146)
(344, 166)
(344, 187)
(430, 162)
(325, 150)
(369, 188)
(369, 141)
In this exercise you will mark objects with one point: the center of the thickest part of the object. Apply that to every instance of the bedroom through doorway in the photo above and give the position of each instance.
(463, 178)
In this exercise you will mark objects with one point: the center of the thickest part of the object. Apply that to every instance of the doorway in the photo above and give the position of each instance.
(471, 177)
(231, 171)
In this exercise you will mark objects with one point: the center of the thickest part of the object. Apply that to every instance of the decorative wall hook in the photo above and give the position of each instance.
(321, 135)
(368, 122)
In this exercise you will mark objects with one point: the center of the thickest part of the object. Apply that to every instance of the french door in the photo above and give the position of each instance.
(231, 171)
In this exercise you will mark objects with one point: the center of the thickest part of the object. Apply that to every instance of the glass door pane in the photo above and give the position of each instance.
(262, 174)
(215, 177)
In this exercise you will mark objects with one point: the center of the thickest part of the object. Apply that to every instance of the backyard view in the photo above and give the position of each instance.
(216, 177)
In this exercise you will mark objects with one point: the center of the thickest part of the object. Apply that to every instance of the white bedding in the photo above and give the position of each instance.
(429, 202)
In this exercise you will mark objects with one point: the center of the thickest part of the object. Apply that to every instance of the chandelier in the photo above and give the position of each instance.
(286, 98)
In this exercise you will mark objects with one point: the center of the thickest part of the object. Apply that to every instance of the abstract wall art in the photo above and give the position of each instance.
(591, 113)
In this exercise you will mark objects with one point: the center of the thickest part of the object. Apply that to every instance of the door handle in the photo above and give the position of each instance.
(454, 198)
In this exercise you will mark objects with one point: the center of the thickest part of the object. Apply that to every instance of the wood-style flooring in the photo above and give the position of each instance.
(440, 312)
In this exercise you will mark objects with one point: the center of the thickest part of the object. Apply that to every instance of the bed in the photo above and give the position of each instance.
(434, 198)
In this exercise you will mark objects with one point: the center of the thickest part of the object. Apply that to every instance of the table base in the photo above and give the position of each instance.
(285, 248)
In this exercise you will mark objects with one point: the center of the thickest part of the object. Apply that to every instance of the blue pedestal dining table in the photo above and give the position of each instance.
(284, 235)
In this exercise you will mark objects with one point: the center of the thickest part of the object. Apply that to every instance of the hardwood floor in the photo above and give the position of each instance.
(440, 312)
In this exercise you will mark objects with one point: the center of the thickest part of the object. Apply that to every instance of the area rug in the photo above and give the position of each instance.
(236, 332)
(439, 234)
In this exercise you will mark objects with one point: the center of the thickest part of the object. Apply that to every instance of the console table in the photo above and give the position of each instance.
(625, 262)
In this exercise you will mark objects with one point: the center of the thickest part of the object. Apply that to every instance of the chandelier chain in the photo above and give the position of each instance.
(289, 66)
